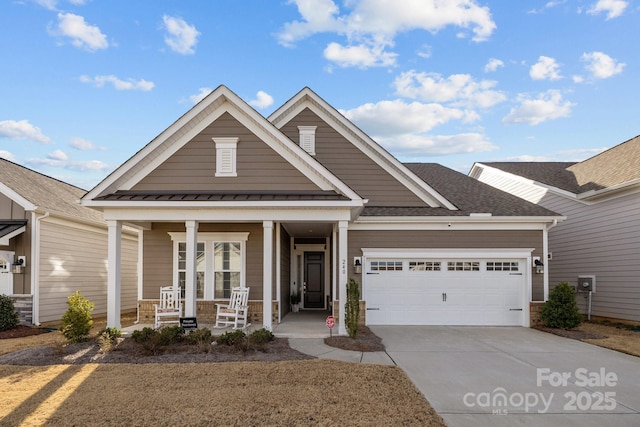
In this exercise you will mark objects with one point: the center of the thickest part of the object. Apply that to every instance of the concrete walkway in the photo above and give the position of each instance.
(316, 347)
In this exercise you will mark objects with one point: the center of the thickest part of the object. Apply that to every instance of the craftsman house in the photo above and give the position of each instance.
(303, 201)
(50, 247)
(597, 248)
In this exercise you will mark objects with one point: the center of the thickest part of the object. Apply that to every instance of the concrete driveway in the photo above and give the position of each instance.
(510, 376)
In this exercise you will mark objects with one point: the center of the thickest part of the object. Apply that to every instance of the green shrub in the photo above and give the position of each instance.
(199, 337)
(352, 308)
(561, 310)
(232, 337)
(143, 335)
(261, 336)
(108, 338)
(8, 314)
(170, 335)
(77, 321)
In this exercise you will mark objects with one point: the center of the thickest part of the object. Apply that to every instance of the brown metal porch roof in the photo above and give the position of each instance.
(221, 196)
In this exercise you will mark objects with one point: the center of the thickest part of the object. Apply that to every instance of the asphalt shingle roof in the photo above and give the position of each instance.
(468, 194)
(47, 193)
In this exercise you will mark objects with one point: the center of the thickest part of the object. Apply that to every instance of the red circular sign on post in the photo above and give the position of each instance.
(331, 322)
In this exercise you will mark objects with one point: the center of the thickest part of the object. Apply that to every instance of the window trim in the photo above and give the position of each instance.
(210, 239)
(307, 136)
(226, 147)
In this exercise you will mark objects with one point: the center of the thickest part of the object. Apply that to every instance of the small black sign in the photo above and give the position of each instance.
(189, 324)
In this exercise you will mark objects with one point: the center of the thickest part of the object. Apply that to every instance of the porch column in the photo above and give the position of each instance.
(114, 255)
(190, 271)
(342, 275)
(267, 273)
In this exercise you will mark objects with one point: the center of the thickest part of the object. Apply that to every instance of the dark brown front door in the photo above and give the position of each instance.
(314, 280)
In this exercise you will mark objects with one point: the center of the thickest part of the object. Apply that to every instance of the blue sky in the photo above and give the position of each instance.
(84, 84)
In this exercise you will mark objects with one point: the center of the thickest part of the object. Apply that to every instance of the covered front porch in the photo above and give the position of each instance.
(272, 258)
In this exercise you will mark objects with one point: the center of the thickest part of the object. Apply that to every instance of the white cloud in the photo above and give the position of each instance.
(59, 159)
(83, 144)
(83, 35)
(545, 69)
(370, 26)
(457, 89)
(493, 65)
(546, 106)
(361, 56)
(613, 8)
(419, 146)
(118, 84)
(21, 130)
(202, 93)
(58, 155)
(182, 37)
(263, 100)
(602, 66)
(392, 118)
(7, 155)
(52, 4)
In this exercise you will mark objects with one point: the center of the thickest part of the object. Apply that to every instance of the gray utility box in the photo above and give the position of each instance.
(587, 283)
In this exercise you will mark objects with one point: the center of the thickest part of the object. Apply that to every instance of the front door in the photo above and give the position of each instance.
(313, 280)
(6, 277)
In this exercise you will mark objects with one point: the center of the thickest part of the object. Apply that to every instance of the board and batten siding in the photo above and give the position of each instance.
(193, 166)
(449, 239)
(74, 257)
(158, 263)
(601, 239)
(351, 165)
(20, 244)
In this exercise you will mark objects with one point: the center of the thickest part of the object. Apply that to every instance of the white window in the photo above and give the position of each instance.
(463, 266)
(502, 266)
(308, 139)
(386, 265)
(220, 263)
(424, 265)
(226, 149)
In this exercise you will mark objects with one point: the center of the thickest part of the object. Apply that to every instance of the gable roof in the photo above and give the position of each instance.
(220, 101)
(307, 98)
(35, 191)
(614, 168)
(472, 196)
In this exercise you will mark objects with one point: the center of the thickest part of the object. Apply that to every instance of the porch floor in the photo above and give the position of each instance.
(304, 324)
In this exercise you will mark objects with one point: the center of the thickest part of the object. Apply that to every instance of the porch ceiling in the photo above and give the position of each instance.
(309, 229)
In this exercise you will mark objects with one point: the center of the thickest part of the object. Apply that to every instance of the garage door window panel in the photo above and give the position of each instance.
(386, 266)
(424, 266)
(463, 266)
(503, 266)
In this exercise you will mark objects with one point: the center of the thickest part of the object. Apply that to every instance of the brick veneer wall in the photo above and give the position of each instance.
(363, 312)
(206, 311)
(534, 313)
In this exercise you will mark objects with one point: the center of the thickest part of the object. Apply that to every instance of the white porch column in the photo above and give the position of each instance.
(190, 273)
(267, 274)
(114, 255)
(342, 275)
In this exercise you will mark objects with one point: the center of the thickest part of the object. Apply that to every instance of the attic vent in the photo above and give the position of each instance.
(308, 139)
(226, 156)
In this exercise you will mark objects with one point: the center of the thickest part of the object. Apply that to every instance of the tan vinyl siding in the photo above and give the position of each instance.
(351, 165)
(601, 239)
(158, 255)
(449, 239)
(192, 167)
(75, 258)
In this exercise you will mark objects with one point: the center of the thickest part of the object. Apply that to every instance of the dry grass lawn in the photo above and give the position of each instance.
(310, 392)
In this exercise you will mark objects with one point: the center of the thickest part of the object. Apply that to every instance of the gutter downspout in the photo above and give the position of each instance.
(545, 254)
(35, 262)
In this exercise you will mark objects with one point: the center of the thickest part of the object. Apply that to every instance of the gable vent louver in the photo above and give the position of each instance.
(308, 138)
(226, 149)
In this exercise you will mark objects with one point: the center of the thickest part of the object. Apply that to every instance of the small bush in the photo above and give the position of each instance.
(232, 337)
(199, 337)
(8, 314)
(77, 321)
(108, 338)
(561, 310)
(261, 336)
(170, 335)
(143, 335)
(352, 308)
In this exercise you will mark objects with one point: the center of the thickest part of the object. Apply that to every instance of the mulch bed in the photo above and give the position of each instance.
(575, 334)
(365, 341)
(22, 331)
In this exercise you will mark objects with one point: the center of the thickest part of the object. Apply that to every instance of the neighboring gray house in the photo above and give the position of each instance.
(601, 237)
(50, 246)
(304, 200)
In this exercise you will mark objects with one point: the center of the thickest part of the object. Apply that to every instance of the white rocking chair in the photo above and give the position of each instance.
(235, 312)
(170, 308)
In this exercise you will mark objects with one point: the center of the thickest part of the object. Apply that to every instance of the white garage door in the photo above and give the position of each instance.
(433, 291)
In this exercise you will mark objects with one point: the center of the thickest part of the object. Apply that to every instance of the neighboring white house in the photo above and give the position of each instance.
(601, 237)
(50, 247)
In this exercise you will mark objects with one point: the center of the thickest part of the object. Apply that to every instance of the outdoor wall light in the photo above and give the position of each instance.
(539, 266)
(357, 265)
(18, 265)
